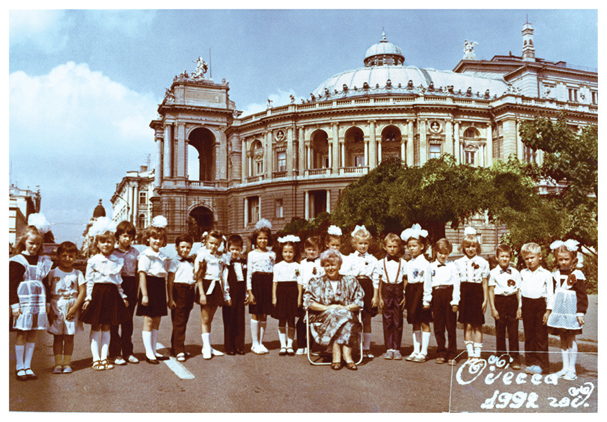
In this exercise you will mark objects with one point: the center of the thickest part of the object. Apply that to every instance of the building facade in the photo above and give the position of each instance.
(293, 161)
(131, 200)
(21, 203)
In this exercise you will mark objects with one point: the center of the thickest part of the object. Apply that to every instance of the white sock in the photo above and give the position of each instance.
(469, 348)
(572, 356)
(262, 330)
(290, 336)
(29, 352)
(565, 355)
(477, 349)
(19, 353)
(146, 336)
(425, 342)
(254, 332)
(154, 340)
(282, 336)
(206, 342)
(95, 340)
(416, 339)
(105, 344)
(366, 341)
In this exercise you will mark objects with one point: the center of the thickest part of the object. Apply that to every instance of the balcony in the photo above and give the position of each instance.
(318, 172)
(279, 174)
(353, 170)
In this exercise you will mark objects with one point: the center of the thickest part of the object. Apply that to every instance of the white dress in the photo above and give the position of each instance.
(32, 297)
(64, 292)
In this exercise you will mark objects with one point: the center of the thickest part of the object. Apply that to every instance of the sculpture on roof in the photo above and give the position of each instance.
(469, 50)
(169, 96)
(201, 69)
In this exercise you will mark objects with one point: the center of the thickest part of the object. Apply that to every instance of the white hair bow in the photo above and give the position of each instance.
(334, 231)
(263, 223)
(469, 230)
(102, 225)
(357, 228)
(570, 244)
(39, 221)
(414, 231)
(288, 238)
(159, 221)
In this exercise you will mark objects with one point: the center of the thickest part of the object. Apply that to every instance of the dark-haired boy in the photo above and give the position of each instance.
(234, 316)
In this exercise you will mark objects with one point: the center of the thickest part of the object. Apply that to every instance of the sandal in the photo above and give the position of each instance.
(21, 375)
(107, 364)
(351, 366)
(290, 351)
(282, 352)
(98, 366)
(336, 366)
(30, 374)
(181, 357)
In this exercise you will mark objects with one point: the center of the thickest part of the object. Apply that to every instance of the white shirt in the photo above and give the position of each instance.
(287, 271)
(183, 270)
(419, 271)
(65, 284)
(389, 271)
(537, 284)
(102, 269)
(259, 262)
(506, 282)
(309, 269)
(446, 275)
(467, 271)
(152, 263)
(358, 265)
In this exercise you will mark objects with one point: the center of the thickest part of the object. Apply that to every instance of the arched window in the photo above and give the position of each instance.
(203, 141)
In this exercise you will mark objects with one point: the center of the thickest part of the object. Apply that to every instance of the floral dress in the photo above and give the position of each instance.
(334, 325)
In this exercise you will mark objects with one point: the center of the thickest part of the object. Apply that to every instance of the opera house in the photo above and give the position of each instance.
(293, 161)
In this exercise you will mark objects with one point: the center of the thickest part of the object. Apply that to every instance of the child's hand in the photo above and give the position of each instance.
(484, 306)
(145, 300)
(17, 312)
(85, 304)
(71, 313)
(426, 307)
(519, 313)
(246, 299)
(454, 308)
(546, 315)
(126, 302)
(229, 302)
(495, 314)
(580, 320)
(203, 300)
(172, 304)
(273, 300)
(299, 303)
(252, 299)
(380, 304)
(374, 301)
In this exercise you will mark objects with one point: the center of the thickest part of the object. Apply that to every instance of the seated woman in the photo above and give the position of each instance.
(336, 299)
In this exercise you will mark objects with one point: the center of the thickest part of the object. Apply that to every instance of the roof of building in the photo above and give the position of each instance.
(99, 211)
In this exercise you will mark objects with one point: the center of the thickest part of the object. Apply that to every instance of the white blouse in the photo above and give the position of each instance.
(359, 265)
(259, 262)
(419, 271)
(446, 275)
(537, 284)
(152, 263)
(505, 282)
(101, 269)
(309, 269)
(388, 271)
(288, 271)
(472, 270)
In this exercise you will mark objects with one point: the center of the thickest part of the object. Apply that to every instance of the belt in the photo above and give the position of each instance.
(506, 295)
(442, 286)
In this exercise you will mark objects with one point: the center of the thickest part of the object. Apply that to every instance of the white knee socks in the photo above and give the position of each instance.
(425, 342)
(416, 341)
(146, 336)
(154, 340)
(95, 340)
(282, 336)
(254, 333)
(469, 348)
(477, 349)
(29, 352)
(206, 342)
(290, 336)
(105, 344)
(262, 330)
(572, 357)
(366, 341)
(19, 353)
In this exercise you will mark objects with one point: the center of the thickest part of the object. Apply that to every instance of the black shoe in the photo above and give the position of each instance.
(239, 352)
(21, 375)
(30, 375)
(230, 352)
(161, 357)
(152, 361)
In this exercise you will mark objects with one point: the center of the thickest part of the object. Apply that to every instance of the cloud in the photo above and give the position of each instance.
(75, 133)
(128, 22)
(278, 99)
(43, 30)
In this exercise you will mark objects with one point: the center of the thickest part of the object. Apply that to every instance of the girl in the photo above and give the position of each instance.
(210, 269)
(153, 270)
(285, 292)
(360, 264)
(418, 291)
(310, 267)
(474, 275)
(570, 304)
(260, 265)
(105, 303)
(27, 294)
(333, 238)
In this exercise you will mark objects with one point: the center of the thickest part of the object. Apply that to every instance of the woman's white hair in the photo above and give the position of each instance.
(330, 254)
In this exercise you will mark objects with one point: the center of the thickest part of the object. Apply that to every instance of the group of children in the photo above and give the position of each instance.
(119, 281)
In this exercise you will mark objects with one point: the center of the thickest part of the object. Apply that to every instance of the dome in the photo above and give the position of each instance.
(99, 211)
(384, 53)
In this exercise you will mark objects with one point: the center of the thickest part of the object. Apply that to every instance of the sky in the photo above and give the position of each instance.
(84, 85)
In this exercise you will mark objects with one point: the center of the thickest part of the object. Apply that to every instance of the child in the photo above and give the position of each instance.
(310, 267)
(210, 269)
(361, 264)
(27, 270)
(105, 303)
(474, 274)
(181, 287)
(121, 345)
(234, 316)
(153, 269)
(388, 286)
(445, 301)
(260, 265)
(67, 290)
(536, 292)
(504, 298)
(570, 304)
(285, 292)
(418, 291)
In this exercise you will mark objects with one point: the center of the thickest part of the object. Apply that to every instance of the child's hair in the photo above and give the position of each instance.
(503, 248)
(392, 237)
(108, 235)
(421, 240)
(312, 242)
(156, 233)
(186, 237)
(443, 246)
(213, 233)
(572, 254)
(30, 231)
(67, 247)
(257, 232)
(531, 248)
(470, 240)
(235, 240)
(281, 246)
(360, 233)
(126, 227)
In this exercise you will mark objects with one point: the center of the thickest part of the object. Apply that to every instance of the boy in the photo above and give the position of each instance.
(389, 288)
(121, 346)
(310, 267)
(67, 290)
(234, 316)
(504, 298)
(181, 293)
(445, 301)
(536, 291)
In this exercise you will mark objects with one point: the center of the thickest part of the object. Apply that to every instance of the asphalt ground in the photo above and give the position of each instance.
(272, 383)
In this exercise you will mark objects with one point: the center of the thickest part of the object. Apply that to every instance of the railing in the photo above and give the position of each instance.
(278, 174)
(255, 179)
(318, 172)
(201, 184)
(353, 170)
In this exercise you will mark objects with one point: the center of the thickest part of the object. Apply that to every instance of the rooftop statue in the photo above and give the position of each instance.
(469, 50)
(201, 69)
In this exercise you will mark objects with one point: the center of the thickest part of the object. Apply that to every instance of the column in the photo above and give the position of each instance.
(159, 163)
(410, 148)
(180, 159)
(328, 200)
(372, 146)
(246, 212)
(290, 154)
(269, 155)
(244, 157)
(520, 151)
(379, 156)
(302, 151)
(221, 157)
(457, 147)
(342, 148)
(489, 154)
(366, 152)
(168, 152)
(402, 149)
(335, 150)
(308, 157)
(449, 138)
(423, 144)
(307, 205)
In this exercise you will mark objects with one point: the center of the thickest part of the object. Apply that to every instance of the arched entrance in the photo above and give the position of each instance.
(200, 220)
(203, 141)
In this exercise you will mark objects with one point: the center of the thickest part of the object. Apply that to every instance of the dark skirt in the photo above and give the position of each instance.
(471, 304)
(157, 298)
(106, 306)
(215, 298)
(286, 301)
(261, 285)
(416, 314)
(367, 285)
(558, 331)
